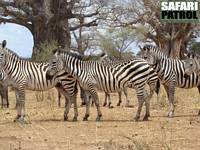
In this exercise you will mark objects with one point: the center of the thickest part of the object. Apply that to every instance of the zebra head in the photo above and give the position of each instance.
(2, 53)
(192, 64)
(148, 55)
(56, 64)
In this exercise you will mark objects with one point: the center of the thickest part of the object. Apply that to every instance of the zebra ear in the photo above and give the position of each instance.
(4, 43)
(140, 48)
(103, 54)
(54, 51)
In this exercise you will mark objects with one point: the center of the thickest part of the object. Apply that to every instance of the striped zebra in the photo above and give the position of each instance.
(5, 81)
(93, 76)
(172, 72)
(113, 61)
(26, 74)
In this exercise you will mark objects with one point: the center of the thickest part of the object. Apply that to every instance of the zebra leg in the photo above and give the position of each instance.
(199, 93)
(109, 102)
(105, 101)
(87, 113)
(141, 97)
(17, 98)
(59, 97)
(95, 97)
(2, 101)
(6, 96)
(20, 105)
(75, 110)
(170, 89)
(120, 98)
(68, 103)
(83, 96)
(147, 104)
(127, 99)
(67, 108)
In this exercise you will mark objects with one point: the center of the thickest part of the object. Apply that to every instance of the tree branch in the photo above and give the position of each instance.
(16, 21)
(89, 24)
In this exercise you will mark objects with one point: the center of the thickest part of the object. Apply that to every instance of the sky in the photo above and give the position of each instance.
(19, 39)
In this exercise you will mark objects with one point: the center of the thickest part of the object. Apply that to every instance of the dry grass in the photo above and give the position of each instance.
(117, 131)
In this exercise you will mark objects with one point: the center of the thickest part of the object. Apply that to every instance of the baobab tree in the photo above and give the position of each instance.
(49, 20)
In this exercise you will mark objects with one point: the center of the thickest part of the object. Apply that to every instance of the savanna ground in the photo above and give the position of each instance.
(117, 130)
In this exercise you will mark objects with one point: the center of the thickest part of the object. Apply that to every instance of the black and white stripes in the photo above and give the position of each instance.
(26, 74)
(172, 72)
(92, 76)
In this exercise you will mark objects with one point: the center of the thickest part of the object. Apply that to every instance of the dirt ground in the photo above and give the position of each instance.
(45, 128)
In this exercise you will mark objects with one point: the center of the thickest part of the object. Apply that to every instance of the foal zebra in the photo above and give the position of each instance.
(153, 78)
(172, 72)
(92, 75)
(26, 74)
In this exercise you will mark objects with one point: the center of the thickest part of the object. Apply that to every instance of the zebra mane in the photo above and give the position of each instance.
(15, 55)
(155, 49)
(63, 51)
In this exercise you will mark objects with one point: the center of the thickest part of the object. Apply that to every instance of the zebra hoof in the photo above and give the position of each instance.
(136, 118)
(98, 119)
(85, 118)
(110, 107)
(19, 120)
(145, 118)
(118, 104)
(65, 118)
(83, 104)
(75, 119)
(170, 114)
(199, 113)
(104, 104)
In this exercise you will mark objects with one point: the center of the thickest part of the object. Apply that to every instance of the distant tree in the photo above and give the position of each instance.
(117, 42)
(171, 37)
(194, 46)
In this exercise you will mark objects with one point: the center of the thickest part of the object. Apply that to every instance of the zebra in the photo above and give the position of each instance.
(26, 74)
(113, 61)
(93, 75)
(171, 72)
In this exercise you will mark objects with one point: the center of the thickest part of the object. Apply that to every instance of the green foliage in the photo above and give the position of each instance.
(46, 51)
(117, 41)
(194, 46)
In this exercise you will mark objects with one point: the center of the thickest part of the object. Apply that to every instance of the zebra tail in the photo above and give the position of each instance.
(157, 89)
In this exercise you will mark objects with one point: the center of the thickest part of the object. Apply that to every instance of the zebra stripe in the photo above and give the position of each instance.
(26, 74)
(153, 81)
(171, 72)
(94, 76)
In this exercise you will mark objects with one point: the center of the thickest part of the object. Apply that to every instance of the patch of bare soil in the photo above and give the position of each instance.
(45, 128)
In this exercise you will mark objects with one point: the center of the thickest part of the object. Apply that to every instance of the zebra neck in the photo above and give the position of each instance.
(74, 66)
(11, 65)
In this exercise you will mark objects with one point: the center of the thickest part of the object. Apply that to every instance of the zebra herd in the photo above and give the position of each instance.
(66, 70)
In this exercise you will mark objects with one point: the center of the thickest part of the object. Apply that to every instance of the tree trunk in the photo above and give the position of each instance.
(174, 48)
(49, 24)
